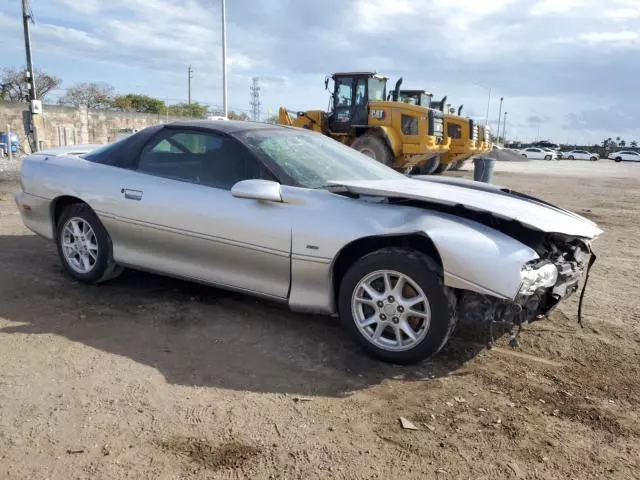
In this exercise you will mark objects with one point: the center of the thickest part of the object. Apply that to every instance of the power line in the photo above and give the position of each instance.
(255, 99)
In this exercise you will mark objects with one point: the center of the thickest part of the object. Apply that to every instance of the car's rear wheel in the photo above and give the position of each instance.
(374, 147)
(618, 159)
(395, 305)
(84, 246)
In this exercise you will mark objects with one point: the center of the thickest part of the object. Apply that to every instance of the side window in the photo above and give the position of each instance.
(199, 157)
(343, 93)
(361, 98)
(454, 131)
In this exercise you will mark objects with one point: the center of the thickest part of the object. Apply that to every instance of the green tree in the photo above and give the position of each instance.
(622, 143)
(138, 103)
(238, 116)
(15, 86)
(633, 144)
(192, 110)
(93, 95)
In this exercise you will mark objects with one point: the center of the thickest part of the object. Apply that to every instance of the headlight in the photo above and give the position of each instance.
(535, 278)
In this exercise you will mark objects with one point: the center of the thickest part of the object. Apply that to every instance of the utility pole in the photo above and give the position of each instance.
(189, 77)
(26, 18)
(499, 118)
(255, 98)
(224, 57)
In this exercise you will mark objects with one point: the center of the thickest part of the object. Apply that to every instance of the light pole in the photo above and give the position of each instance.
(224, 57)
(486, 118)
(504, 129)
(499, 118)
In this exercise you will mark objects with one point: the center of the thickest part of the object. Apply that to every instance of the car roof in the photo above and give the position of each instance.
(224, 127)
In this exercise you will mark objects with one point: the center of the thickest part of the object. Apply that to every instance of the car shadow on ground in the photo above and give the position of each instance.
(194, 334)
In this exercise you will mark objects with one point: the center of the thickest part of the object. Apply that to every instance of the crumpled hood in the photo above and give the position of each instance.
(529, 211)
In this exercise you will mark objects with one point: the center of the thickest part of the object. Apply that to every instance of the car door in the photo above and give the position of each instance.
(633, 156)
(178, 217)
(534, 153)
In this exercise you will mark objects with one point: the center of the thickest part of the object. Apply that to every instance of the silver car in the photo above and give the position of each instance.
(296, 217)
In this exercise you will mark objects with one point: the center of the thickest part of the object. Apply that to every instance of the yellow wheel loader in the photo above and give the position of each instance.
(361, 115)
(459, 132)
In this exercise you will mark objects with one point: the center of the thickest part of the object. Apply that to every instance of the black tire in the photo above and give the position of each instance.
(428, 167)
(427, 274)
(524, 155)
(548, 157)
(571, 157)
(374, 147)
(594, 159)
(457, 165)
(104, 268)
(441, 168)
(618, 159)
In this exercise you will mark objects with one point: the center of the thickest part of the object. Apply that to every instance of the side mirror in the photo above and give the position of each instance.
(255, 189)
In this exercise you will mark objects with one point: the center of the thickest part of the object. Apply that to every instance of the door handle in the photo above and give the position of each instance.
(132, 194)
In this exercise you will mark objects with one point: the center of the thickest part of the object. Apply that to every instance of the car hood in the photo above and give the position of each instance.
(498, 201)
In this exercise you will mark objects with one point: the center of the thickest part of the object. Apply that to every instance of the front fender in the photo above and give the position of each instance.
(476, 257)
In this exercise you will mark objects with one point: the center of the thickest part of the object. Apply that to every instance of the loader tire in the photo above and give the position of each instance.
(443, 167)
(457, 165)
(374, 147)
(427, 167)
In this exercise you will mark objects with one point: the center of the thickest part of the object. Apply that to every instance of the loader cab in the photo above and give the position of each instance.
(421, 98)
(351, 96)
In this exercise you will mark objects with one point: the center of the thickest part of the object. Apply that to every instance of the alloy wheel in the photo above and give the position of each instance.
(79, 245)
(391, 310)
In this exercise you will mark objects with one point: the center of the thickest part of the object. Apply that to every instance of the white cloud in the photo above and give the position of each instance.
(82, 6)
(624, 37)
(550, 7)
(623, 14)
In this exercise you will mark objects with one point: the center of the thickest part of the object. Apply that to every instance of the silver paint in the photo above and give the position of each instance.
(261, 247)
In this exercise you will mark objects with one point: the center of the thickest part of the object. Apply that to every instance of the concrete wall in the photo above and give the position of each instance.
(61, 126)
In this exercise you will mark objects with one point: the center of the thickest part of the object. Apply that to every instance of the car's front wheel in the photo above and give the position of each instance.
(571, 157)
(618, 159)
(395, 305)
(84, 245)
(594, 159)
(524, 155)
(548, 157)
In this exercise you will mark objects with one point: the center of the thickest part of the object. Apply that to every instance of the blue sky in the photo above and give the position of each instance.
(569, 68)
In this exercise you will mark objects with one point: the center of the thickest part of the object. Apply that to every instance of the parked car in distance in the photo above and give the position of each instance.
(536, 153)
(296, 217)
(626, 155)
(580, 155)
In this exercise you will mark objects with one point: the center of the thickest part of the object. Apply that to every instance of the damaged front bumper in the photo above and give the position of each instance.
(529, 305)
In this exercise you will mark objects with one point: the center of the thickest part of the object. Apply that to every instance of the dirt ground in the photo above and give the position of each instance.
(149, 377)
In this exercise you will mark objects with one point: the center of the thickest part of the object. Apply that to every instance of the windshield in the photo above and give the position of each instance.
(377, 89)
(425, 100)
(412, 98)
(312, 160)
